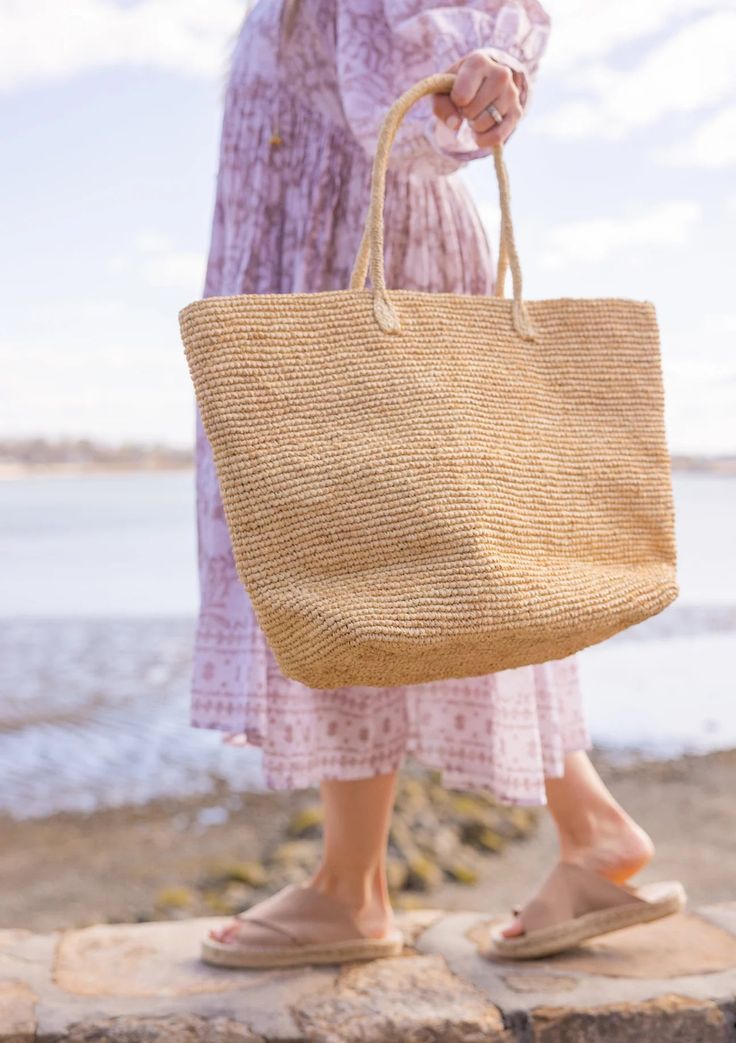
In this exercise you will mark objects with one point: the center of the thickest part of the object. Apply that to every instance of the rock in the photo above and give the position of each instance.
(411, 1000)
(307, 822)
(408, 902)
(397, 873)
(423, 874)
(402, 840)
(483, 838)
(432, 826)
(461, 871)
(411, 795)
(249, 872)
(283, 875)
(170, 899)
(252, 873)
(479, 822)
(237, 896)
(446, 842)
(414, 922)
(184, 1028)
(517, 822)
(17, 1012)
(302, 853)
(217, 902)
(670, 1018)
(470, 807)
(439, 796)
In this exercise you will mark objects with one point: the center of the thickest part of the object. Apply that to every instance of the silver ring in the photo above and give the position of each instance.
(494, 113)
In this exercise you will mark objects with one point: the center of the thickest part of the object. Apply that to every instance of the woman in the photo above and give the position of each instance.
(309, 85)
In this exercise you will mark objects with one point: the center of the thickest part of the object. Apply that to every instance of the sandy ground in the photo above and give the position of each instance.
(75, 869)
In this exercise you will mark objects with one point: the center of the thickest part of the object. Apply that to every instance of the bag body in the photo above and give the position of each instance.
(421, 486)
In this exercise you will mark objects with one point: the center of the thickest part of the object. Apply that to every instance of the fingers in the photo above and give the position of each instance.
(486, 130)
(480, 82)
(445, 110)
(498, 133)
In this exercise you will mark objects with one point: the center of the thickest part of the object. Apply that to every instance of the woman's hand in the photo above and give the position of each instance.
(481, 82)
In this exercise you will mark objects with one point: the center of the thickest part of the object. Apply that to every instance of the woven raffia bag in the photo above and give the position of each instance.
(430, 485)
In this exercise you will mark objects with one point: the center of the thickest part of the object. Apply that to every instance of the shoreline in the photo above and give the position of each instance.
(11, 472)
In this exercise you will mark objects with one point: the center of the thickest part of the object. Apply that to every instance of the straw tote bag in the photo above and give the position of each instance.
(430, 485)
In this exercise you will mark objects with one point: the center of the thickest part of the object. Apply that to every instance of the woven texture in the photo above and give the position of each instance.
(421, 486)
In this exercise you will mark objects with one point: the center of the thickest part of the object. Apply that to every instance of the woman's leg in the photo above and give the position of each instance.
(353, 866)
(594, 830)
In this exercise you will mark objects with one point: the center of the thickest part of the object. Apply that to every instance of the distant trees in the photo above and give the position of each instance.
(86, 454)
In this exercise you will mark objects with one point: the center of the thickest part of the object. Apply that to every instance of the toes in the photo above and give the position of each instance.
(514, 929)
(223, 934)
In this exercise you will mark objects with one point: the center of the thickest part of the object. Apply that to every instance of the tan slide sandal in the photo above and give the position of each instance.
(574, 904)
(298, 926)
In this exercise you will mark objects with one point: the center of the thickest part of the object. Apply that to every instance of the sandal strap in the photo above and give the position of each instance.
(570, 891)
(270, 925)
(305, 916)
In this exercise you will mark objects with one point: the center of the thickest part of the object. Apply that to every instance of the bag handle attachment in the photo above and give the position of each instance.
(370, 252)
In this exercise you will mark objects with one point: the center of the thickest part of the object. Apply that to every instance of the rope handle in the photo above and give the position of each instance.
(370, 251)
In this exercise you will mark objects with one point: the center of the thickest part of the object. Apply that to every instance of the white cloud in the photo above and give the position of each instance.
(712, 328)
(161, 265)
(711, 145)
(164, 266)
(43, 40)
(726, 322)
(701, 404)
(595, 239)
(690, 70)
(174, 269)
(585, 30)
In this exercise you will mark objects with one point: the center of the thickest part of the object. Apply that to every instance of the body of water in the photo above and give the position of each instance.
(97, 613)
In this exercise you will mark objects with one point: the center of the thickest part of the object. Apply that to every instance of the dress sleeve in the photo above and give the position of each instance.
(382, 49)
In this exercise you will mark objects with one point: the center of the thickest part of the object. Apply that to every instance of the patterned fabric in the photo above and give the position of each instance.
(300, 123)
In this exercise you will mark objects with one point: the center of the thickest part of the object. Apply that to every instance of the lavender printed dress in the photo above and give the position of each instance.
(300, 124)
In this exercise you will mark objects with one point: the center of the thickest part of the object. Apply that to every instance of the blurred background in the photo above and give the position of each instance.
(623, 185)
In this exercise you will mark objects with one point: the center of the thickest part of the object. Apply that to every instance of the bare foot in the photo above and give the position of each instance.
(617, 851)
(374, 921)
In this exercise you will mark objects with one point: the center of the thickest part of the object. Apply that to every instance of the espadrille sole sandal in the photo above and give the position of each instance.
(295, 927)
(575, 904)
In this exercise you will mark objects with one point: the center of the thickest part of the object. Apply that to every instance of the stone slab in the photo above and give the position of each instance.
(633, 965)
(673, 981)
(136, 974)
(412, 999)
(142, 959)
(667, 1019)
(17, 1012)
(723, 915)
(684, 944)
(186, 1028)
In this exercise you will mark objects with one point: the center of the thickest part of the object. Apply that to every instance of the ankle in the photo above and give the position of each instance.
(360, 890)
(614, 845)
(594, 825)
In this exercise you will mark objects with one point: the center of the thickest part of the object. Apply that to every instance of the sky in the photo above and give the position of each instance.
(623, 178)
